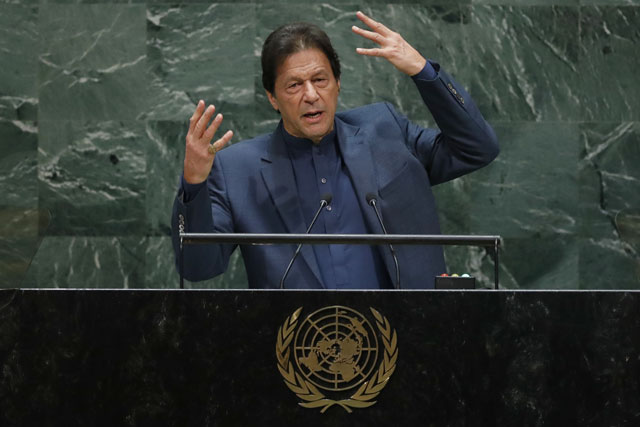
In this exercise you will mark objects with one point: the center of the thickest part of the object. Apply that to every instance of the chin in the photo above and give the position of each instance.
(319, 133)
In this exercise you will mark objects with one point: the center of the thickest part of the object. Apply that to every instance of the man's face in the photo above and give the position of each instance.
(306, 93)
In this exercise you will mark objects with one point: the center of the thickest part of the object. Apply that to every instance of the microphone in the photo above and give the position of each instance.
(325, 200)
(371, 200)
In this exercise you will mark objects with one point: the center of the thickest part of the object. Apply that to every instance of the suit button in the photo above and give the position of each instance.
(329, 208)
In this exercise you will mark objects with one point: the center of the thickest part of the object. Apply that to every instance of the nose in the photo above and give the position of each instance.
(310, 92)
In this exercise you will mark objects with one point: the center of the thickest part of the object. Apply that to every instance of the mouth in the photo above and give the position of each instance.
(313, 116)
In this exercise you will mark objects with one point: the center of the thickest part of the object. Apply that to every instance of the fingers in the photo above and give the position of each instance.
(212, 129)
(392, 46)
(201, 134)
(220, 143)
(201, 125)
(370, 52)
(382, 36)
(224, 141)
(374, 25)
(374, 37)
(199, 155)
(196, 115)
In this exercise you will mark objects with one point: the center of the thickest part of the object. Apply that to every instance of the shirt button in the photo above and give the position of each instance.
(323, 180)
(329, 208)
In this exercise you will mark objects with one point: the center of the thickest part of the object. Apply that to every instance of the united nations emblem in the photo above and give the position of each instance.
(335, 350)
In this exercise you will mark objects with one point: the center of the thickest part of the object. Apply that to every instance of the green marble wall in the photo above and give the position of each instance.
(94, 97)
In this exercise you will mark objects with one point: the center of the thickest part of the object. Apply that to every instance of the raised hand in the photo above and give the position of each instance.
(199, 152)
(392, 46)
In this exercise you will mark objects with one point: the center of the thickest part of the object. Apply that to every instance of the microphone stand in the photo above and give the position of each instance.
(371, 200)
(326, 200)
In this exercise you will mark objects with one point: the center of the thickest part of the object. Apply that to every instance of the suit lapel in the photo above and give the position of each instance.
(357, 155)
(279, 179)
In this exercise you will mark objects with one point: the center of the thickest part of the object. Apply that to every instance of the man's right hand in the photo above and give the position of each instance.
(198, 157)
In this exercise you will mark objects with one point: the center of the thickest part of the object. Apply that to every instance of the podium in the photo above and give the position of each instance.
(217, 358)
(490, 243)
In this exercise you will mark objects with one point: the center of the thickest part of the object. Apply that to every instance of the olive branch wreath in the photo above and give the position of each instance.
(313, 398)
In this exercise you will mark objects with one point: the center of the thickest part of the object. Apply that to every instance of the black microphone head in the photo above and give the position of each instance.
(327, 197)
(370, 198)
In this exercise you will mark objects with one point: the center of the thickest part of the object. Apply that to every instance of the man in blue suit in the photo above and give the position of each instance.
(274, 183)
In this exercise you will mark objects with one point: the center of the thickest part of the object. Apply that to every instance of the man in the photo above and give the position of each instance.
(274, 183)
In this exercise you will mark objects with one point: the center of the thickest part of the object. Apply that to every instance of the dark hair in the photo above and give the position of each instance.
(289, 39)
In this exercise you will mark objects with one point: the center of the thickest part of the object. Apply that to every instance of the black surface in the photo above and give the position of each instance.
(448, 282)
(207, 358)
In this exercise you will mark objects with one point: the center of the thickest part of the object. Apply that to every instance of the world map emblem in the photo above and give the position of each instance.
(336, 356)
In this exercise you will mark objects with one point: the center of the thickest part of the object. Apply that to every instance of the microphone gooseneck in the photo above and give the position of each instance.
(325, 200)
(372, 201)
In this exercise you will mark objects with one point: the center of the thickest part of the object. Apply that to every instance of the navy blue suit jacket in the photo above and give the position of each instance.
(251, 188)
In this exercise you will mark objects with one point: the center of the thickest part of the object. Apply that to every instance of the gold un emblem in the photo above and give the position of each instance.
(333, 351)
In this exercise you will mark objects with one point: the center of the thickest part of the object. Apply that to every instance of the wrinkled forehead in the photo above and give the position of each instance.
(304, 64)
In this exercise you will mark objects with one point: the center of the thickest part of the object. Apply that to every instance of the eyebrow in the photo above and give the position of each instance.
(313, 74)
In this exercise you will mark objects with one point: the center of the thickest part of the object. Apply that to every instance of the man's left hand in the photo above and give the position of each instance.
(392, 46)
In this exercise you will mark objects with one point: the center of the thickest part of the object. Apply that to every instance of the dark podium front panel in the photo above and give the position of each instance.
(370, 358)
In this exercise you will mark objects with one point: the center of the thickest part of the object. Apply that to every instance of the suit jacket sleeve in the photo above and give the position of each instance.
(207, 212)
(465, 141)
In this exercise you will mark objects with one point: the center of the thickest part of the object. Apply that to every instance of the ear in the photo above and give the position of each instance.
(273, 101)
(338, 86)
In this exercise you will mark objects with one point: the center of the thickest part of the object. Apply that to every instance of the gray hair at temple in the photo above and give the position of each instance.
(289, 39)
